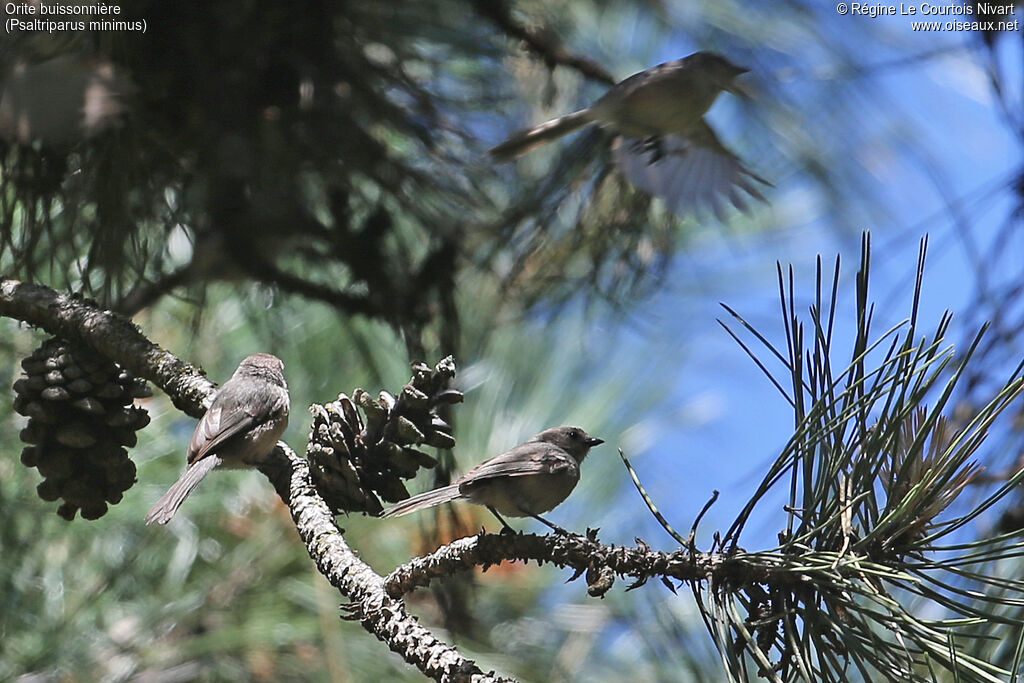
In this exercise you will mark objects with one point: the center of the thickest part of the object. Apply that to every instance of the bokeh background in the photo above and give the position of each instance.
(312, 181)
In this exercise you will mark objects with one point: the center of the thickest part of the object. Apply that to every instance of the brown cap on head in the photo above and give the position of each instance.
(264, 366)
(572, 440)
(263, 360)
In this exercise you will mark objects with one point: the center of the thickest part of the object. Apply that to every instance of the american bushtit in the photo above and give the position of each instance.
(247, 417)
(532, 478)
(664, 146)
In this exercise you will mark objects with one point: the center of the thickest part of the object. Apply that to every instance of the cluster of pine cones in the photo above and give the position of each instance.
(82, 418)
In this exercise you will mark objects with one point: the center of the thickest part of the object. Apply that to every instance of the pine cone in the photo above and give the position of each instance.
(81, 418)
(354, 459)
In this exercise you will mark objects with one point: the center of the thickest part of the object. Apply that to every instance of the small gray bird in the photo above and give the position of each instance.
(532, 478)
(247, 417)
(663, 145)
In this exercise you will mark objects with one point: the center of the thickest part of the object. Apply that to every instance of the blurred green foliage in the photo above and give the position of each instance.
(228, 591)
(310, 182)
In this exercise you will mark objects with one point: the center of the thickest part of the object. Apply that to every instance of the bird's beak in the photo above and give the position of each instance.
(591, 442)
(740, 90)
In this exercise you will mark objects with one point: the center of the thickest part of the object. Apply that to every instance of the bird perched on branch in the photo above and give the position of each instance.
(247, 417)
(532, 478)
(663, 145)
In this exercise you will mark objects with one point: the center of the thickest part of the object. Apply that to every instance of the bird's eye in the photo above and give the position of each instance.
(573, 434)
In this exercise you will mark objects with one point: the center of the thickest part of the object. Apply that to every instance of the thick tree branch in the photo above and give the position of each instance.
(81, 321)
(116, 337)
(380, 614)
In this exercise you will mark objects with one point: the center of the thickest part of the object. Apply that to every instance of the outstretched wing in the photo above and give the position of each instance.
(692, 172)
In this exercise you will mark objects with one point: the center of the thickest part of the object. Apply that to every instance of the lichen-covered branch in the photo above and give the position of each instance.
(82, 321)
(378, 612)
(585, 554)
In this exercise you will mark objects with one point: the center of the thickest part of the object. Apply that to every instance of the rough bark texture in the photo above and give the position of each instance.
(81, 321)
(376, 601)
(379, 613)
(600, 562)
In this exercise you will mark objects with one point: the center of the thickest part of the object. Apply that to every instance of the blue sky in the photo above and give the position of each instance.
(925, 144)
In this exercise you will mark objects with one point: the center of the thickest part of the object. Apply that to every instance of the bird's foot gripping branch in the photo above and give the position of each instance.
(87, 329)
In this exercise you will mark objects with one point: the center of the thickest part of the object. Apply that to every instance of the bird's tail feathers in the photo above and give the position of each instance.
(165, 508)
(531, 138)
(445, 494)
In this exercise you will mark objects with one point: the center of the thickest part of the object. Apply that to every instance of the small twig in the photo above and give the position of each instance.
(550, 51)
(146, 293)
(578, 552)
(650, 503)
(700, 516)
